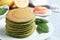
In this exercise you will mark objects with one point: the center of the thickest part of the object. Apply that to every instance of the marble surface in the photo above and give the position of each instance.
(55, 19)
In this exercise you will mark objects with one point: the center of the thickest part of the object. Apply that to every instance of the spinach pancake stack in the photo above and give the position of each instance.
(20, 22)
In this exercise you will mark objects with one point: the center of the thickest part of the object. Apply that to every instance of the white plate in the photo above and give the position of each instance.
(34, 36)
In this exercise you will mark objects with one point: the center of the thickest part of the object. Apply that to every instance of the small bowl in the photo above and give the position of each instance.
(40, 15)
(4, 15)
(44, 15)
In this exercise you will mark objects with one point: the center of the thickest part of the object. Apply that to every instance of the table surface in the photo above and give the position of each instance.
(54, 18)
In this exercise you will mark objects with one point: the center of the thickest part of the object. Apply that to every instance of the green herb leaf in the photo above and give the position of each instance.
(42, 28)
(38, 21)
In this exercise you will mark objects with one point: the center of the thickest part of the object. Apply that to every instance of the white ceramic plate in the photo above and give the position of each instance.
(34, 36)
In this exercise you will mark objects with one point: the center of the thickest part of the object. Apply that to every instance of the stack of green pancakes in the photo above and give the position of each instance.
(20, 22)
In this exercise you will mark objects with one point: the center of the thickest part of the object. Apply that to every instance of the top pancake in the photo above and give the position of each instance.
(20, 15)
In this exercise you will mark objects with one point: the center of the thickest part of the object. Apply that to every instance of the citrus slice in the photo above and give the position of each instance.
(22, 3)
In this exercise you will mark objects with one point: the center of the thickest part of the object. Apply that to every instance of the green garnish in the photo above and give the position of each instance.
(38, 21)
(3, 10)
(42, 26)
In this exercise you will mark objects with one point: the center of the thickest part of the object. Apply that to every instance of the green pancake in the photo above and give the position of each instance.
(23, 35)
(20, 27)
(17, 25)
(20, 30)
(20, 15)
(21, 23)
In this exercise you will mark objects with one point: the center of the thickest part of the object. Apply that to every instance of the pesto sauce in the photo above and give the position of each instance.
(3, 10)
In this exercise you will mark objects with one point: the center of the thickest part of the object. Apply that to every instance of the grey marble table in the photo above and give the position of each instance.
(55, 19)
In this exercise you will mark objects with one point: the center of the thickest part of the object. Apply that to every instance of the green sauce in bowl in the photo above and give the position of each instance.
(3, 10)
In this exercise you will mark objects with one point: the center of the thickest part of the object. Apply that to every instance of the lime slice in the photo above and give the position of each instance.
(22, 3)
